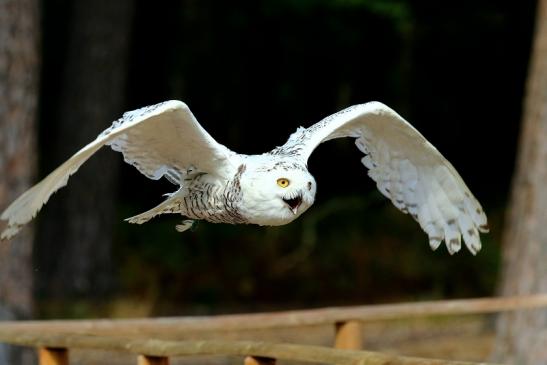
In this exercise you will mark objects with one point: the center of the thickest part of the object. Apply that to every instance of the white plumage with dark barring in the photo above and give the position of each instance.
(218, 185)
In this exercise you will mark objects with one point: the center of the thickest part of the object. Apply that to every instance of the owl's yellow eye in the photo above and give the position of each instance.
(283, 182)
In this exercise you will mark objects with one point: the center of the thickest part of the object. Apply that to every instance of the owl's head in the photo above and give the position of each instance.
(277, 193)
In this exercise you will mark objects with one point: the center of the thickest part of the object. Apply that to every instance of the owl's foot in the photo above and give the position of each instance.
(185, 225)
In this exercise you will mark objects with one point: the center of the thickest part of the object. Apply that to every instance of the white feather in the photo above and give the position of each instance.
(165, 140)
(407, 169)
(150, 139)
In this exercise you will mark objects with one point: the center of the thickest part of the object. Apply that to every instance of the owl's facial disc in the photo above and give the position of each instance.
(293, 203)
(276, 193)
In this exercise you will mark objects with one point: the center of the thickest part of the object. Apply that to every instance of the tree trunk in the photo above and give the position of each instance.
(19, 69)
(522, 337)
(76, 233)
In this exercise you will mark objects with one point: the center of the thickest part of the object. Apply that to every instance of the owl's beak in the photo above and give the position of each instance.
(293, 203)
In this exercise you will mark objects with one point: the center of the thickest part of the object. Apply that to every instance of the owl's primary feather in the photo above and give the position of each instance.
(221, 186)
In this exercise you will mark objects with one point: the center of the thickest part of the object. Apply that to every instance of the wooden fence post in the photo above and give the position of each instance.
(258, 360)
(349, 335)
(152, 360)
(52, 356)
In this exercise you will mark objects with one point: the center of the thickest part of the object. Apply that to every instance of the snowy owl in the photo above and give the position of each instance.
(218, 185)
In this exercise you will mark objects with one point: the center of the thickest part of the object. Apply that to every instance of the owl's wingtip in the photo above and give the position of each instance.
(9, 232)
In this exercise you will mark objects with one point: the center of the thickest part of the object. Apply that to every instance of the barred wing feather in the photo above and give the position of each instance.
(407, 169)
(159, 140)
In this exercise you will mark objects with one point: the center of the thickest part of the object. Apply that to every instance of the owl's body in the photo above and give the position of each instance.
(240, 199)
(218, 185)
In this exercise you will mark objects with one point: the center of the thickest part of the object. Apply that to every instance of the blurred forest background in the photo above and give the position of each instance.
(252, 72)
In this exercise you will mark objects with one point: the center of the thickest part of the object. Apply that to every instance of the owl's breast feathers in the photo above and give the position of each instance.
(208, 198)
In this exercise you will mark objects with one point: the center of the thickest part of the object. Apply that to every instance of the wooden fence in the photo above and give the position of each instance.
(55, 338)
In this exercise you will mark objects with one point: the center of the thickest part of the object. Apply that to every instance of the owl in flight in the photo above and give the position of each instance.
(274, 188)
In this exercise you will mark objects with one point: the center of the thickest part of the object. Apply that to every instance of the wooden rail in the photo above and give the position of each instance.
(55, 338)
(261, 321)
(157, 351)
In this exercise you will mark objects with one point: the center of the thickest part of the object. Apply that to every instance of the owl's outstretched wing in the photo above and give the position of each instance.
(407, 169)
(159, 140)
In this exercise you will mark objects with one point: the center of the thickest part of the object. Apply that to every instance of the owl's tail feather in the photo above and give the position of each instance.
(170, 205)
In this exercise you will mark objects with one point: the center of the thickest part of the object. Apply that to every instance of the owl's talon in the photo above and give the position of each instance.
(185, 225)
